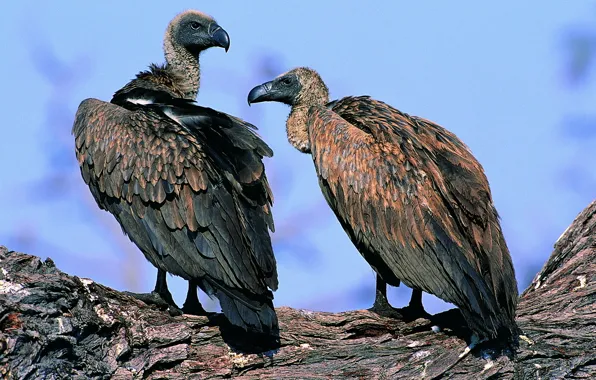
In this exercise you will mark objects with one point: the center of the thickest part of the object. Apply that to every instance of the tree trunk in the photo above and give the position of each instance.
(53, 325)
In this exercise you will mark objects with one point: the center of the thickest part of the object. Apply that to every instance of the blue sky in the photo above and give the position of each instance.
(491, 73)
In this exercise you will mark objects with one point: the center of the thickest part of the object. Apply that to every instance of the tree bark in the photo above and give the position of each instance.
(53, 325)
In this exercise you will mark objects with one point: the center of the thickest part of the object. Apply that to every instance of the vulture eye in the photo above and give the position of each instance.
(195, 25)
(286, 81)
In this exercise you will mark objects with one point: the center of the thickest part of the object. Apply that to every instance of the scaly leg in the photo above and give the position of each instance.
(381, 305)
(160, 296)
(192, 305)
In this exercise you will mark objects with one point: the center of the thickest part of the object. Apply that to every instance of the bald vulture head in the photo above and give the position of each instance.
(298, 87)
(194, 32)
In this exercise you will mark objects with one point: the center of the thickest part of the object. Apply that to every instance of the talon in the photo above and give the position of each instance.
(192, 305)
(174, 311)
(152, 298)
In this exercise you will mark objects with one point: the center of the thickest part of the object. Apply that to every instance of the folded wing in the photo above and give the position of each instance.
(188, 186)
(416, 204)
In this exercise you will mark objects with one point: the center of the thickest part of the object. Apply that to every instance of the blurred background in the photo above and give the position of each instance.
(514, 80)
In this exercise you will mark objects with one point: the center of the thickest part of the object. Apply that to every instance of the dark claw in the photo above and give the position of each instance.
(152, 298)
(415, 308)
(192, 305)
(161, 288)
(174, 311)
(383, 308)
(195, 310)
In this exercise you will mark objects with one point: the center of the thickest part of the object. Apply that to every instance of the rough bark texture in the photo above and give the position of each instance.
(53, 325)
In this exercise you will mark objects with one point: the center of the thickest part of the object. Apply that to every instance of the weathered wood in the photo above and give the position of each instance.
(53, 325)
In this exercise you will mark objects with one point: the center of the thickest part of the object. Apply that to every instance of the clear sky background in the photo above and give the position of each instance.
(495, 74)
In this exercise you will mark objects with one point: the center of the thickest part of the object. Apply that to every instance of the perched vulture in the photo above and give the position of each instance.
(186, 183)
(410, 195)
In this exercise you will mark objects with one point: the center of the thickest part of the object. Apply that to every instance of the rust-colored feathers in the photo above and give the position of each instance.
(410, 195)
(188, 186)
(418, 206)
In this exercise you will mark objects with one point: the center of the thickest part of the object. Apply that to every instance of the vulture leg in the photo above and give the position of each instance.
(160, 296)
(192, 305)
(415, 305)
(381, 294)
(161, 288)
(384, 308)
(415, 309)
(381, 305)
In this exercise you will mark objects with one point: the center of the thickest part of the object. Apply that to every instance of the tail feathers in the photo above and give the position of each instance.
(254, 313)
(499, 326)
(498, 315)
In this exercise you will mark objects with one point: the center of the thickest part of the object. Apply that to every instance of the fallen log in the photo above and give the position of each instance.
(53, 325)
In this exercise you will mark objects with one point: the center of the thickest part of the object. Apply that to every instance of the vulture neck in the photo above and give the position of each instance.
(297, 128)
(184, 65)
(297, 124)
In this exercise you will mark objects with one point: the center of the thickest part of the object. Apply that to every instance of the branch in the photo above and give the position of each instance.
(53, 325)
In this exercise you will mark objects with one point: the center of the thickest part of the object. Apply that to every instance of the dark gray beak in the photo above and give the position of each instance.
(219, 36)
(260, 93)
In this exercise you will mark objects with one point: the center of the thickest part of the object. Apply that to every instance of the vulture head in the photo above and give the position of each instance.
(300, 86)
(195, 31)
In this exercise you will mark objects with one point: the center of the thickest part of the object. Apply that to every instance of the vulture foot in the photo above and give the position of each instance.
(415, 309)
(194, 308)
(192, 305)
(383, 308)
(158, 300)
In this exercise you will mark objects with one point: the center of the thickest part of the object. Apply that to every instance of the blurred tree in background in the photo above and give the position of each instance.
(579, 124)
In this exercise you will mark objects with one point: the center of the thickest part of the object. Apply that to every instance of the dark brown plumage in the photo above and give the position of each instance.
(188, 186)
(410, 195)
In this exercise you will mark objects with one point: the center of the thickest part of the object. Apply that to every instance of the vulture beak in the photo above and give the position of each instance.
(219, 36)
(260, 93)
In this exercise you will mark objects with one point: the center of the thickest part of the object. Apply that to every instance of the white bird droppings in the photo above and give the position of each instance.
(538, 283)
(239, 360)
(420, 354)
(526, 339)
(488, 365)
(7, 287)
(105, 316)
(466, 351)
(86, 282)
(474, 341)
(582, 282)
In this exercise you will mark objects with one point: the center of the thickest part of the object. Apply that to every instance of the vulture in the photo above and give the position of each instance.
(186, 183)
(410, 195)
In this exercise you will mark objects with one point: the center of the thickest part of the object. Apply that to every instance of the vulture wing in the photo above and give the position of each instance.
(188, 186)
(466, 192)
(379, 173)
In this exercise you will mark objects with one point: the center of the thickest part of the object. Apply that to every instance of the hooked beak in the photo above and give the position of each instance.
(219, 36)
(260, 93)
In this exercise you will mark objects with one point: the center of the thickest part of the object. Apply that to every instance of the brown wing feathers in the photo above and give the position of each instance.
(186, 183)
(417, 205)
(195, 200)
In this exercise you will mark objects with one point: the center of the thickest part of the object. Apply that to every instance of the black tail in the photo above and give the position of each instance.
(492, 325)
(499, 318)
(254, 313)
